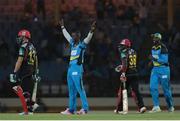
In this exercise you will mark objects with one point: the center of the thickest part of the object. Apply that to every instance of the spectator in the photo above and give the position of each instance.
(175, 43)
(41, 8)
(4, 49)
(110, 9)
(130, 13)
(74, 3)
(64, 7)
(75, 14)
(120, 13)
(143, 6)
(100, 6)
(28, 7)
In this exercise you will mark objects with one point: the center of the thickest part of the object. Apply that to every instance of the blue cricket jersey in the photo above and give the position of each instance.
(77, 52)
(160, 55)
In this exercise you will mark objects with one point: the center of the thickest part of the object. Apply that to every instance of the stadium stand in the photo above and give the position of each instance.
(115, 20)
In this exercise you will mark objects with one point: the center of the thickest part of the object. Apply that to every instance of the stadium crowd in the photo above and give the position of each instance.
(115, 21)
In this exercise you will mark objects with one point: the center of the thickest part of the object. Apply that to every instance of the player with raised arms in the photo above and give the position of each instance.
(75, 70)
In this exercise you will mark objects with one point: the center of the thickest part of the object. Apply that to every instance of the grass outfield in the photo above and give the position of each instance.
(95, 115)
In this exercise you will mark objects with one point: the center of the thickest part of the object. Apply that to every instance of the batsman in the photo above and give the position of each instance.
(26, 73)
(129, 78)
(75, 70)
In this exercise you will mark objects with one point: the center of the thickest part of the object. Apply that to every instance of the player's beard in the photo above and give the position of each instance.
(76, 42)
(156, 43)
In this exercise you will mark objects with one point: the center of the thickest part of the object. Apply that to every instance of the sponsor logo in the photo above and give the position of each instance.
(73, 52)
(164, 76)
(74, 73)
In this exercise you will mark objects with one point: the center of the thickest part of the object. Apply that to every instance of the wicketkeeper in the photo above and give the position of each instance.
(129, 75)
(26, 72)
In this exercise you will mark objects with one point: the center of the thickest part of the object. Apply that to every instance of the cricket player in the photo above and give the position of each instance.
(160, 73)
(129, 75)
(25, 72)
(75, 70)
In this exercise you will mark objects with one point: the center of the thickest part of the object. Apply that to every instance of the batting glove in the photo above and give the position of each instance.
(118, 68)
(13, 78)
(36, 76)
(123, 77)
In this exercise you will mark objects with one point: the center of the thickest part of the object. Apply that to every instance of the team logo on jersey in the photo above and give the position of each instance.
(73, 52)
(164, 76)
(74, 73)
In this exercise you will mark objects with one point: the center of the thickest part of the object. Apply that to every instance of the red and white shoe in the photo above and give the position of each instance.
(67, 112)
(82, 112)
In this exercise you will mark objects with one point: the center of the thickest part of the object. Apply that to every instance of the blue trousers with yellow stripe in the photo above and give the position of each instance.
(75, 85)
(161, 75)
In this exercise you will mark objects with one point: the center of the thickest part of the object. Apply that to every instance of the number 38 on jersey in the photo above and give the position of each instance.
(132, 60)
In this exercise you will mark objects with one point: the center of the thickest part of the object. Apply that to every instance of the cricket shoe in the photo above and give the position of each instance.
(155, 109)
(143, 110)
(67, 112)
(116, 111)
(25, 113)
(82, 112)
(120, 112)
(34, 107)
(171, 109)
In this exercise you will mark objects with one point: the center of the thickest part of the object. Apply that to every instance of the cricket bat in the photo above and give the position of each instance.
(34, 91)
(125, 98)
